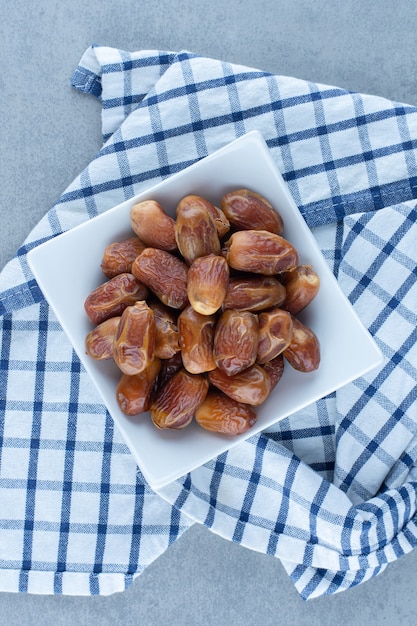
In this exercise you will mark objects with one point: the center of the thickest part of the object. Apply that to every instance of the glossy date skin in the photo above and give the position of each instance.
(166, 331)
(221, 414)
(195, 232)
(119, 256)
(177, 402)
(260, 252)
(153, 226)
(303, 353)
(220, 220)
(134, 342)
(235, 341)
(247, 210)
(164, 274)
(253, 293)
(112, 297)
(99, 341)
(207, 281)
(252, 386)
(196, 339)
(301, 285)
(134, 392)
(275, 334)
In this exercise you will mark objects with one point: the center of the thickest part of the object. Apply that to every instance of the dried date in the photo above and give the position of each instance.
(112, 297)
(252, 386)
(302, 286)
(178, 400)
(275, 334)
(253, 293)
(221, 414)
(164, 274)
(153, 226)
(196, 338)
(119, 256)
(235, 341)
(260, 252)
(195, 232)
(207, 280)
(247, 210)
(134, 392)
(134, 342)
(99, 341)
(303, 353)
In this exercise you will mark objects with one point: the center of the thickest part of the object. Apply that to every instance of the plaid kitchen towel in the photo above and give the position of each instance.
(330, 491)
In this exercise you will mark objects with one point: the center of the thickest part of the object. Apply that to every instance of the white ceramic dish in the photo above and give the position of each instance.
(347, 349)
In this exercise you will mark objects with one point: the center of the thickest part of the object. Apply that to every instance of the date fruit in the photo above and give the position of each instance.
(220, 219)
(260, 252)
(275, 370)
(196, 332)
(99, 341)
(253, 293)
(275, 334)
(252, 386)
(112, 297)
(247, 210)
(195, 232)
(119, 256)
(221, 414)
(302, 286)
(235, 341)
(176, 403)
(134, 393)
(134, 342)
(164, 274)
(207, 280)
(166, 331)
(153, 226)
(303, 353)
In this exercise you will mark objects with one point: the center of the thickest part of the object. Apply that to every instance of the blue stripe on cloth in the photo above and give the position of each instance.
(34, 449)
(65, 524)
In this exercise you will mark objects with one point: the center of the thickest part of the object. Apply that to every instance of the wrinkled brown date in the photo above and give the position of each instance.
(119, 256)
(207, 280)
(302, 286)
(275, 370)
(220, 219)
(252, 386)
(303, 353)
(275, 333)
(221, 414)
(134, 342)
(166, 331)
(152, 225)
(178, 400)
(247, 210)
(112, 297)
(235, 341)
(169, 367)
(253, 293)
(195, 232)
(196, 332)
(134, 393)
(164, 274)
(99, 341)
(260, 252)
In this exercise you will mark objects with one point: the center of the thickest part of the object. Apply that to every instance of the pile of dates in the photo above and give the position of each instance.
(199, 312)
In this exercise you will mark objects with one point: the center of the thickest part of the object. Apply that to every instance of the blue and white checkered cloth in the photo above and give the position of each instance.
(330, 491)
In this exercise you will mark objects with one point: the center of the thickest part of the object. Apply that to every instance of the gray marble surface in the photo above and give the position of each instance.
(49, 133)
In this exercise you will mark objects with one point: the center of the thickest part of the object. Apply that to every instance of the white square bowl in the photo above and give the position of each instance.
(347, 349)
